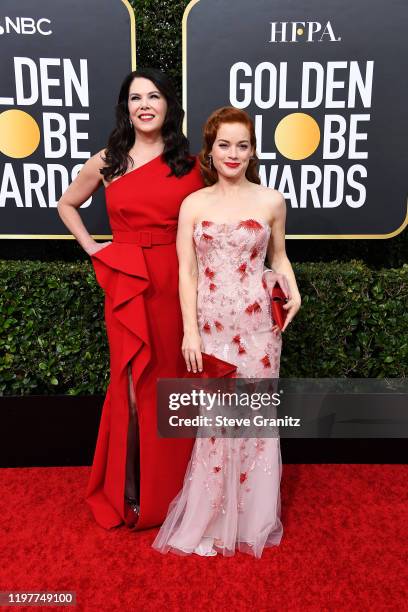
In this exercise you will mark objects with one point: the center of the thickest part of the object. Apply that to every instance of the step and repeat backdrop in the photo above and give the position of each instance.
(61, 67)
(324, 82)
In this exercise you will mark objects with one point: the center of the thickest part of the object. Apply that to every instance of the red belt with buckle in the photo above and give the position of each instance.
(144, 238)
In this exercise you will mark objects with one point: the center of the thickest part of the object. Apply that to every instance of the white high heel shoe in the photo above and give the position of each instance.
(205, 548)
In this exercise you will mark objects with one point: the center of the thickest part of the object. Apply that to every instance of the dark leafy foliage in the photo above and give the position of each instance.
(353, 322)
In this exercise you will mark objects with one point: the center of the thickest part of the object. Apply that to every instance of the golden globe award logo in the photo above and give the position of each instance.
(60, 132)
(61, 69)
(326, 97)
(337, 86)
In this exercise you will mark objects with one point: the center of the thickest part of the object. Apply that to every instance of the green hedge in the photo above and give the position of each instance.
(353, 323)
(158, 35)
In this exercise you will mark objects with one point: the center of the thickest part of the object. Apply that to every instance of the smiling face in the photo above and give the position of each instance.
(147, 105)
(232, 150)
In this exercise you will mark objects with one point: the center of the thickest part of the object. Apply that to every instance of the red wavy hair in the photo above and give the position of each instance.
(226, 114)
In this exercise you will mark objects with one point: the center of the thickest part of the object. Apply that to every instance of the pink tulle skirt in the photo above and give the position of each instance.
(230, 499)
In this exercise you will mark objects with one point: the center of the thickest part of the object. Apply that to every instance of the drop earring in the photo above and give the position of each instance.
(130, 123)
(210, 161)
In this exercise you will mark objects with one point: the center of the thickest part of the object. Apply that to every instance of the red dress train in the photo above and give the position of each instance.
(139, 275)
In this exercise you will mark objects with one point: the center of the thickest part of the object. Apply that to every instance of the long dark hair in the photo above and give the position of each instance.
(176, 146)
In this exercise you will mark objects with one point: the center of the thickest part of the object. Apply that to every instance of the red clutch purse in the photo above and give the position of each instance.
(278, 299)
(277, 295)
(213, 368)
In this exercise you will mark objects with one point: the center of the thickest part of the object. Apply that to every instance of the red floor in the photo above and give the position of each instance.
(344, 548)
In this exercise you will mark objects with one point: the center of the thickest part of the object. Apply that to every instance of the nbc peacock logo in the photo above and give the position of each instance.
(25, 26)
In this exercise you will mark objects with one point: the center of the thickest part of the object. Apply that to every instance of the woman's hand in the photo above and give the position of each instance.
(270, 279)
(276, 330)
(94, 247)
(292, 306)
(191, 348)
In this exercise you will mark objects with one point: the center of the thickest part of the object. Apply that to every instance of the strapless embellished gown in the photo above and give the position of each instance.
(231, 494)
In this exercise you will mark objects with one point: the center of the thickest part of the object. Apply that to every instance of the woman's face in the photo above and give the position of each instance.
(147, 106)
(231, 150)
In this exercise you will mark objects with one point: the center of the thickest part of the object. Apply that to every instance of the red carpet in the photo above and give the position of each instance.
(343, 548)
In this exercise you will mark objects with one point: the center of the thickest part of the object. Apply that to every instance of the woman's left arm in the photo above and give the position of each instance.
(278, 260)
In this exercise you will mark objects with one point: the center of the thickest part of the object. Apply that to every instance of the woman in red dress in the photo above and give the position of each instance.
(147, 172)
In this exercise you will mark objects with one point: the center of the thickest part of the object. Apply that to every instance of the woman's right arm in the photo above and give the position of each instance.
(188, 278)
(84, 185)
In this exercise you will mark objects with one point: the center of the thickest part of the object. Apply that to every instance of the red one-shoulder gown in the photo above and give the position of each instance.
(139, 275)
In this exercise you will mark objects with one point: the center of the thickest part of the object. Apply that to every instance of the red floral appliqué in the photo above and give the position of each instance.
(254, 253)
(266, 361)
(209, 273)
(251, 224)
(212, 439)
(243, 477)
(242, 268)
(207, 236)
(217, 469)
(206, 223)
(252, 308)
(237, 340)
(207, 328)
(219, 326)
(212, 287)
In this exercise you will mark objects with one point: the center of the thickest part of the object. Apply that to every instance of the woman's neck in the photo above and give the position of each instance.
(147, 143)
(227, 187)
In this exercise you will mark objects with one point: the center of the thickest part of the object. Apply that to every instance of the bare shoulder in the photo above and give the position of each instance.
(194, 202)
(271, 196)
(96, 162)
(100, 158)
(272, 201)
(101, 155)
(91, 171)
(199, 195)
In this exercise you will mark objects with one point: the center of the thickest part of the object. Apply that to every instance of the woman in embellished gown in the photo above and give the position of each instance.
(147, 172)
(231, 494)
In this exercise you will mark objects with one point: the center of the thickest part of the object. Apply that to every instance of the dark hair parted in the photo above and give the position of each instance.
(176, 146)
(226, 114)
